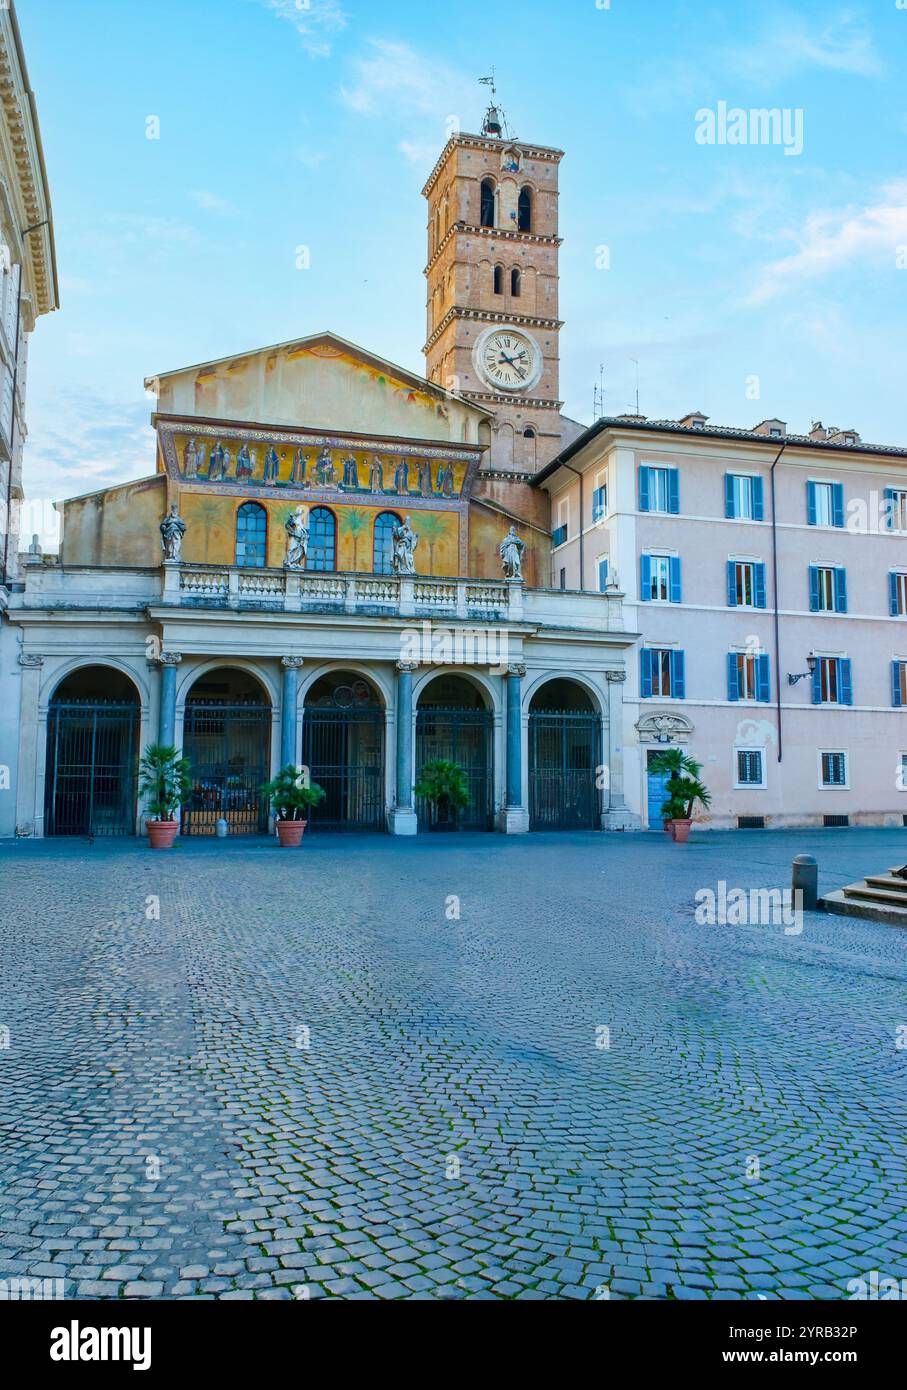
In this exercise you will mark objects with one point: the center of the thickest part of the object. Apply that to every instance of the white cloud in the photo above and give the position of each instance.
(789, 46)
(830, 240)
(394, 77)
(315, 21)
(81, 441)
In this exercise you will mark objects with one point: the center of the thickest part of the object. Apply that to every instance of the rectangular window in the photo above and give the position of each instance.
(899, 684)
(833, 769)
(827, 589)
(896, 508)
(825, 504)
(746, 584)
(602, 575)
(750, 767)
(659, 579)
(662, 672)
(902, 773)
(659, 490)
(833, 681)
(559, 536)
(743, 497)
(599, 502)
(748, 676)
(897, 595)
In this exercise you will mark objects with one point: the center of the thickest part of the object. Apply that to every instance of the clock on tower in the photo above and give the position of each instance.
(493, 327)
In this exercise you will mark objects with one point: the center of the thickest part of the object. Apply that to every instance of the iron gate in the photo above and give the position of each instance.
(564, 753)
(91, 768)
(228, 747)
(343, 748)
(462, 736)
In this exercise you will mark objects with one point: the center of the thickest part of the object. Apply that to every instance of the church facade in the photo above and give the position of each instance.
(339, 565)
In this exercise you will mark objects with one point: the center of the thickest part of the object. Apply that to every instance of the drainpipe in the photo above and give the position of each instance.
(582, 524)
(775, 603)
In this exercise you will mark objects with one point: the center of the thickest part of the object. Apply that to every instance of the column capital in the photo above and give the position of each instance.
(170, 658)
(616, 677)
(516, 669)
(408, 666)
(292, 663)
(31, 661)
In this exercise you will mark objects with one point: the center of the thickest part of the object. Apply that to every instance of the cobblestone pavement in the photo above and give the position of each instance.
(308, 1078)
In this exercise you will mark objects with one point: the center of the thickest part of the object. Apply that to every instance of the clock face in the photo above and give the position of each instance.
(507, 359)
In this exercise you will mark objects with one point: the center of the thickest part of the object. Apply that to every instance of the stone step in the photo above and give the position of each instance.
(867, 906)
(894, 885)
(874, 895)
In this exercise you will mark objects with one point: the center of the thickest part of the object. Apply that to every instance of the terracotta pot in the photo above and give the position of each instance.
(290, 833)
(667, 826)
(162, 833)
(680, 830)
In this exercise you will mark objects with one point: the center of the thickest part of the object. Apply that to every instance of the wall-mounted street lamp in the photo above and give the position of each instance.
(804, 675)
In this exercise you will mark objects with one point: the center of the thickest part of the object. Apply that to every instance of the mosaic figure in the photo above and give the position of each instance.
(272, 466)
(376, 475)
(216, 463)
(243, 464)
(401, 477)
(191, 458)
(425, 477)
(350, 473)
(324, 469)
(300, 464)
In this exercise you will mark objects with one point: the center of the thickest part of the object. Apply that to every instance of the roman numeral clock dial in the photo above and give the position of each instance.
(507, 360)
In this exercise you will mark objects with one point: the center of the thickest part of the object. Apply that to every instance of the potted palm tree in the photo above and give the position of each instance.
(443, 785)
(684, 788)
(291, 797)
(165, 782)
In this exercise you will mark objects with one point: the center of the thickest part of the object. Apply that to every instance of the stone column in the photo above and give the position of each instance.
(404, 820)
(289, 710)
(29, 800)
(167, 726)
(515, 819)
(615, 816)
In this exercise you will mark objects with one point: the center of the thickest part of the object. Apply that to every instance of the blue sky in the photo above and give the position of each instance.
(285, 124)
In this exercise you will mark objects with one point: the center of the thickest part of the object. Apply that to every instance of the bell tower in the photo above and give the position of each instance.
(492, 272)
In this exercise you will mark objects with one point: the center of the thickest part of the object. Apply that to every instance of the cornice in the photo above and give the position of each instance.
(498, 398)
(27, 169)
(546, 153)
(491, 316)
(502, 233)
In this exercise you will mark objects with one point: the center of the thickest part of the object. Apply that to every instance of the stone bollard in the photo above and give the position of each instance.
(805, 879)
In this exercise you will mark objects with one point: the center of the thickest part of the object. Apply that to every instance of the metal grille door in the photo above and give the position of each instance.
(228, 747)
(461, 736)
(344, 752)
(564, 753)
(91, 769)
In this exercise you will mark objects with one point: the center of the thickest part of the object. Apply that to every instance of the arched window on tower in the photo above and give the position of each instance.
(498, 280)
(524, 216)
(516, 281)
(487, 210)
(382, 560)
(251, 535)
(322, 540)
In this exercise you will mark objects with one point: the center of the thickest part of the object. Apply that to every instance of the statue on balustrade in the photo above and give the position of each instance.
(405, 540)
(512, 548)
(173, 528)
(297, 539)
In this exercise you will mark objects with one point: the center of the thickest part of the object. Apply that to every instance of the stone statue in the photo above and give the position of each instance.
(191, 457)
(297, 539)
(173, 528)
(405, 542)
(512, 555)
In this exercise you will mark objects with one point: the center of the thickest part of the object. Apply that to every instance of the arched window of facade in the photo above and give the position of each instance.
(498, 280)
(524, 215)
(516, 281)
(251, 535)
(322, 540)
(487, 209)
(384, 542)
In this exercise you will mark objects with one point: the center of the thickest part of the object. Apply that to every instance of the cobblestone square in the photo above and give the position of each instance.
(453, 1067)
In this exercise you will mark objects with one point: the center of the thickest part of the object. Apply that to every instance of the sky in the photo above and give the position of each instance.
(746, 281)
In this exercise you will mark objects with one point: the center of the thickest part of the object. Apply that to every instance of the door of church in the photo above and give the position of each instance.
(91, 768)
(228, 750)
(344, 752)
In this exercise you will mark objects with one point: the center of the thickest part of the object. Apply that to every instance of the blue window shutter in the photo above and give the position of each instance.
(845, 680)
(763, 690)
(896, 684)
(645, 673)
(645, 578)
(760, 585)
(758, 500)
(644, 489)
(889, 508)
(731, 584)
(817, 684)
(811, 514)
(673, 491)
(729, 495)
(893, 594)
(676, 589)
(813, 588)
(837, 504)
(733, 677)
(678, 676)
(840, 591)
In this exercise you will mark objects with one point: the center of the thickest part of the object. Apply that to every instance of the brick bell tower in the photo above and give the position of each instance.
(493, 326)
